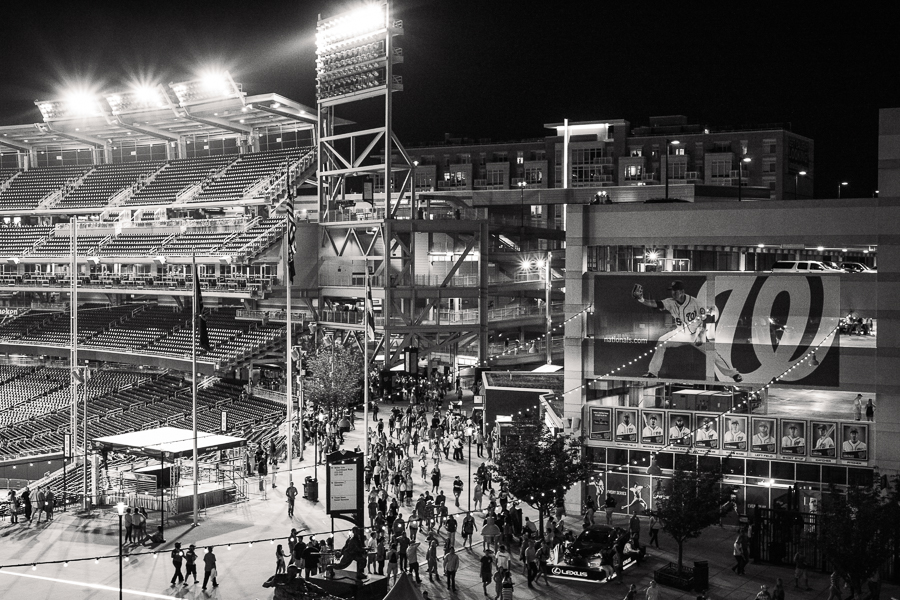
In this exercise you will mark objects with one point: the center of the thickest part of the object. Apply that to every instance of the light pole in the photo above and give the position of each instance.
(522, 185)
(413, 208)
(843, 184)
(470, 473)
(741, 162)
(666, 162)
(120, 508)
(797, 177)
(548, 322)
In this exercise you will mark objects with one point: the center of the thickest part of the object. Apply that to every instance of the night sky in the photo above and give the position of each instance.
(500, 70)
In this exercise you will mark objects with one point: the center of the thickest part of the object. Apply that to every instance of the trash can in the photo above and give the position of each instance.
(701, 575)
(311, 489)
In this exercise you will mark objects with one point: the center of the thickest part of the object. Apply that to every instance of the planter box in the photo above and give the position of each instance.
(669, 576)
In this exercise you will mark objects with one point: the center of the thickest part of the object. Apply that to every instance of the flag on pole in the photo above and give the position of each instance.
(370, 309)
(292, 230)
(198, 308)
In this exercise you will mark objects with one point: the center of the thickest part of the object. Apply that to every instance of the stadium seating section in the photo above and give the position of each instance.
(29, 187)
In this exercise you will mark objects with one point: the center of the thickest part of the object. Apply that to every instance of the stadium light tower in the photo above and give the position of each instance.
(355, 61)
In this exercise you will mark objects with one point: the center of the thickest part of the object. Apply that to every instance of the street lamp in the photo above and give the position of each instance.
(843, 183)
(412, 193)
(797, 181)
(746, 159)
(666, 163)
(522, 185)
(120, 508)
(548, 284)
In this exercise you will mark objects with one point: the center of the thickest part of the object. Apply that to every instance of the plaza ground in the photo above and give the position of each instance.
(243, 569)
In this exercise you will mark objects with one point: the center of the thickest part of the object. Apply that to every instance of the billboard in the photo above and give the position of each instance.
(746, 329)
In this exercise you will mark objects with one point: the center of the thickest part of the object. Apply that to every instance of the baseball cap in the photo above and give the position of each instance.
(676, 285)
(792, 426)
(854, 430)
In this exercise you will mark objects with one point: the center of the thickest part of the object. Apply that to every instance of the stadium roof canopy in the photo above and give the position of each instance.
(166, 443)
(159, 115)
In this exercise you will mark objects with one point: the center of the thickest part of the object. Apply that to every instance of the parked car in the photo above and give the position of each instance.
(593, 541)
(855, 267)
(803, 266)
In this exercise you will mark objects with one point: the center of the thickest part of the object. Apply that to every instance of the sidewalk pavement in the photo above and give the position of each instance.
(243, 569)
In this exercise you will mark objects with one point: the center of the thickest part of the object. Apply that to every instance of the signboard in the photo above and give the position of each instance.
(761, 437)
(825, 435)
(745, 329)
(67, 446)
(344, 486)
(793, 437)
(599, 420)
(224, 421)
(854, 442)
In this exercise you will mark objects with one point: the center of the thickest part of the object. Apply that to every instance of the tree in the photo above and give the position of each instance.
(859, 530)
(334, 379)
(690, 505)
(537, 465)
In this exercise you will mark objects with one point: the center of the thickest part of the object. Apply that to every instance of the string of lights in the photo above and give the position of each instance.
(808, 357)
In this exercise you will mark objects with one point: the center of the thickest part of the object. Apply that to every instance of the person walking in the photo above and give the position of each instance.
(39, 496)
(393, 564)
(487, 570)
(291, 494)
(25, 497)
(50, 501)
(506, 590)
(778, 592)
(631, 594)
(652, 591)
(177, 561)
(763, 593)
(800, 570)
(634, 526)
(609, 506)
(412, 560)
(209, 568)
(279, 560)
(468, 529)
(380, 555)
(738, 556)
(431, 558)
(834, 586)
(451, 565)
(530, 560)
(138, 522)
(190, 564)
(129, 526)
(870, 410)
(451, 526)
(274, 469)
(654, 530)
(13, 503)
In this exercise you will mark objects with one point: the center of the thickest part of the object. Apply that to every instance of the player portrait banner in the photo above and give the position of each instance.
(762, 439)
(747, 329)
(652, 427)
(680, 429)
(626, 425)
(599, 420)
(734, 436)
(707, 434)
(823, 436)
(793, 437)
(854, 442)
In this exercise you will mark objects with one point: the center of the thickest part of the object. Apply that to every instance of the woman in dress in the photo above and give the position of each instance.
(490, 532)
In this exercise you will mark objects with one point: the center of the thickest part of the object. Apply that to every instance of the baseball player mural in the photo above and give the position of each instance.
(742, 328)
(689, 328)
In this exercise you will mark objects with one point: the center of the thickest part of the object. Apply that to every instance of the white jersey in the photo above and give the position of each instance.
(652, 431)
(688, 315)
(732, 437)
(824, 443)
(854, 446)
(626, 429)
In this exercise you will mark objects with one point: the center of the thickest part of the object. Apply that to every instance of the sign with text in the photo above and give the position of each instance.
(344, 484)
